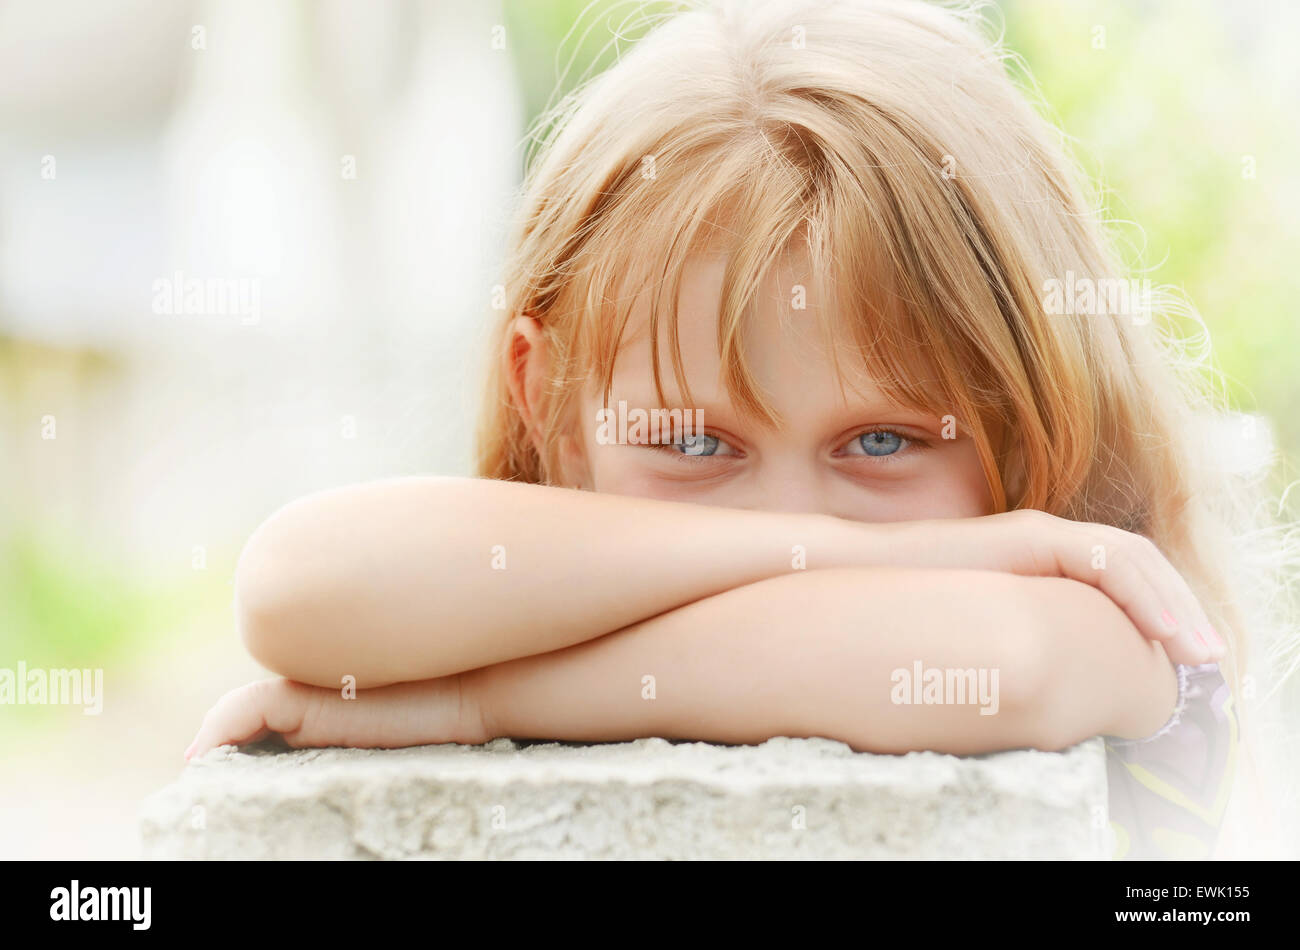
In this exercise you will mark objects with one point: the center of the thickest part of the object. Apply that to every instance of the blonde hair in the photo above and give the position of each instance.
(935, 203)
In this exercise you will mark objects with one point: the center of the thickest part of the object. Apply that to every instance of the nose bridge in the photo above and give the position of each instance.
(794, 485)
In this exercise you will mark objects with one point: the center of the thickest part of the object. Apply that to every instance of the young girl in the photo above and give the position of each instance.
(829, 239)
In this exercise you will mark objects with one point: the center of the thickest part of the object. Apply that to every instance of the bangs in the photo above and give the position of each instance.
(769, 191)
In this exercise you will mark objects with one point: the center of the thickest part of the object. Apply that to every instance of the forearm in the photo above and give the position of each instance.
(1042, 663)
(416, 578)
(756, 662)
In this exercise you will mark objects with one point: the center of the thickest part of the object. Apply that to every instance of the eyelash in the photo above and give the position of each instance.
(693, 459)
(911, 443)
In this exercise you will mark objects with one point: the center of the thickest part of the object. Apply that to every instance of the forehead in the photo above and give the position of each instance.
(789, 342)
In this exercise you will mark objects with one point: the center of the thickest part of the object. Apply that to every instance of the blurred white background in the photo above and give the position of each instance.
(345, 168)
(343, 165)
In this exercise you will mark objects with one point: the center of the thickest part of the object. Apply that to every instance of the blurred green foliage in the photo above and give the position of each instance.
(61, 608)
(1172, 106)
(558, 43)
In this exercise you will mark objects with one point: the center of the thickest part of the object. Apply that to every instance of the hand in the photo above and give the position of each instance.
(250, 712)
(403, 714)
(1127, 567)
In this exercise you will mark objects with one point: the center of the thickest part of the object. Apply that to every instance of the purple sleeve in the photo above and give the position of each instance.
(1168, 791)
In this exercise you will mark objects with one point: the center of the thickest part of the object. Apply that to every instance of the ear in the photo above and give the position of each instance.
(528, 366)
(527, 361)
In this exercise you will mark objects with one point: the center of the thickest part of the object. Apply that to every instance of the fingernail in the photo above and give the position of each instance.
(1218, 640)
(1169, 620)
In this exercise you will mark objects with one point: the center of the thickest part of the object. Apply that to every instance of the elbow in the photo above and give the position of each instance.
(256, 621)
(265, 604)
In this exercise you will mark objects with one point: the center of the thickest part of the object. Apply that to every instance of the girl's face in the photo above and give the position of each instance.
(852, 455)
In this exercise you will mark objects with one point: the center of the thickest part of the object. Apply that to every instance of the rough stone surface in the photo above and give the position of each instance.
(652, 798)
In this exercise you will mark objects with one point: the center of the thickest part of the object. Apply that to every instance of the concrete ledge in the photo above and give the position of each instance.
(652, 798)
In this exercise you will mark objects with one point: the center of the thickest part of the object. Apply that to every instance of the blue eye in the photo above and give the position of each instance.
(697, 445)
(881, 442)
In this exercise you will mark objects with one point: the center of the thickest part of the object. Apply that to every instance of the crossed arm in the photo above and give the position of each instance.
(833, 653)
(546, 613)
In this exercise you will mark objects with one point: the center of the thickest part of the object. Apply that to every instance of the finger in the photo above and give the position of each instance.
(236, 718)
(1094, 557)
(1182, 622)
(1125, 583)
(1195, 642)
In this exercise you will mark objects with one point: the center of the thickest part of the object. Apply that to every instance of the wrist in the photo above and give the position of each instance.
(474, 725)
(831, 542)
(936, 544)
